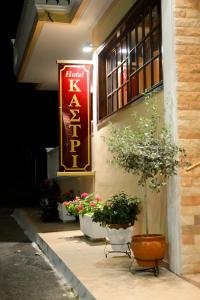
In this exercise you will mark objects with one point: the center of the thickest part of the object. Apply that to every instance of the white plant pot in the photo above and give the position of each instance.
(91, 229)
(119, 238)
(63, 214)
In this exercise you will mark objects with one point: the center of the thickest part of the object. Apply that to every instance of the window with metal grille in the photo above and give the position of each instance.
(131, 61)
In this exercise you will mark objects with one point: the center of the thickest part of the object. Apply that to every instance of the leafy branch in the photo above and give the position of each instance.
(147, 149)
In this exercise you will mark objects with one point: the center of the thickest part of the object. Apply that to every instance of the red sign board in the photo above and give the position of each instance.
(74, 115)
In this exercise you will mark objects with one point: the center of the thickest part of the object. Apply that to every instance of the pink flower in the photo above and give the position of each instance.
(84, 195)
(80, 207)
(65, 203)
(98, 198)
(76, 198)
(92, 204)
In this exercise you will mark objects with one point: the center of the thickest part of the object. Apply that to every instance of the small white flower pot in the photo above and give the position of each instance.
(119, 238)
(63, 214)
(91, 229)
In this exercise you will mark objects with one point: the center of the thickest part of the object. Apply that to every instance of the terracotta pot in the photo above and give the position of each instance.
(148, 250)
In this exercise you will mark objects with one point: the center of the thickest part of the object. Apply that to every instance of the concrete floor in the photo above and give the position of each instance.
(24, 271)
(85, 268)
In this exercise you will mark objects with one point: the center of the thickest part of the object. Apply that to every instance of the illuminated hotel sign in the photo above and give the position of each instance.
(74, 117)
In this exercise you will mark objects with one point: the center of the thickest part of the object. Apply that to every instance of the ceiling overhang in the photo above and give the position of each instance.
(68, 13)
(48, 33)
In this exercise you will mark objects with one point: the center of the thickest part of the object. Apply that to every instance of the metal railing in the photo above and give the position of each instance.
(193, 166)
(57, 2)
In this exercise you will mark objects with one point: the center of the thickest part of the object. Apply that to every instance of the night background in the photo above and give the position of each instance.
(28, 124)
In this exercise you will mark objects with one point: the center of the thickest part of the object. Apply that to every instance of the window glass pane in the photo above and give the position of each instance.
(115, 106)
(156, 71)
(146, 24)
(124, 68)
(133, 61)
(108, 64)
(147, 46)
(139, 30)
(148, 76)
(133, 39)
(124, 49)
(120, 98)
(125, 97)
(134, 86)
(109, 84)
(155, 43)
(118, 54)
(140, 56)
(119, 76)
(114, 80)
(109, 101)
(113, 59)
(141, 81)
(155, 16)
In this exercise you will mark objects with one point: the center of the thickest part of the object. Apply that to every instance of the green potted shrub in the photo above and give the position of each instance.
(148, 151)
(118, 211)
(118, 214)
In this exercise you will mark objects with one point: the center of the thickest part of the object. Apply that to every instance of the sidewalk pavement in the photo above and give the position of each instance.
(83, 265)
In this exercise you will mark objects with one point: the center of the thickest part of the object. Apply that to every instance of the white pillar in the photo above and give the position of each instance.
(169, 74)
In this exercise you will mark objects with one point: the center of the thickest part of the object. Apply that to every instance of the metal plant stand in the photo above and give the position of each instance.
(154, 269)
(127, 252)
